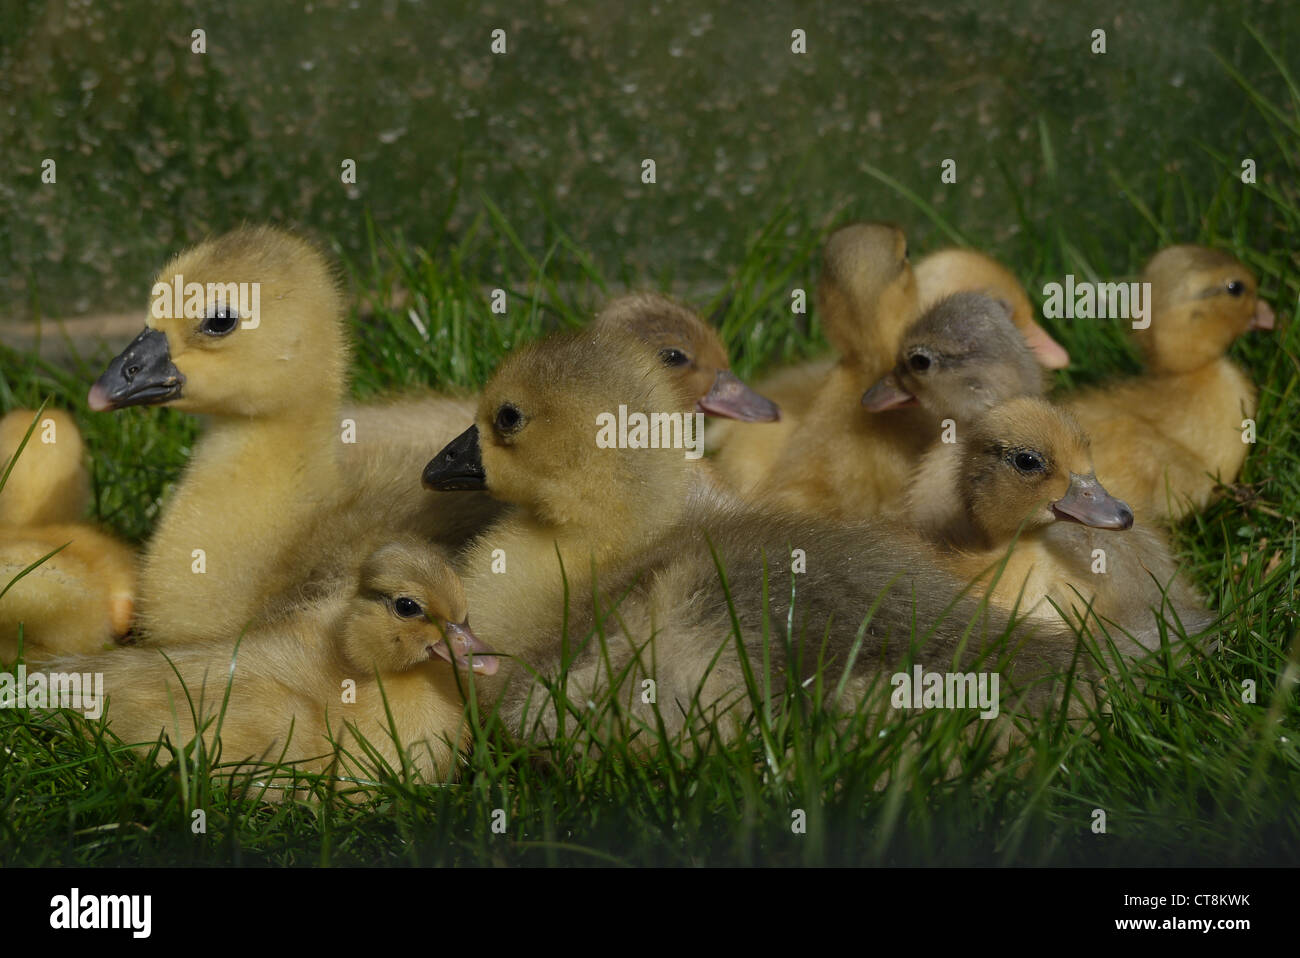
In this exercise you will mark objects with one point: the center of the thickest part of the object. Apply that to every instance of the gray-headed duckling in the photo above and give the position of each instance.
(949, 271)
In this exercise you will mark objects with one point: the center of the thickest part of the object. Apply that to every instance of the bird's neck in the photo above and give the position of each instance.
(246, 494)
(519, 572)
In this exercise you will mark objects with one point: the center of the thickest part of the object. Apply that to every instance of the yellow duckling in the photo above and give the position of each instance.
(78, 600)
(949, 271)
(1167, 438)
(1022, 473)
(49, 482)
(842, 461)
(330, 674)
(866, 296)
(268, 368)
(82, 597)
(692, 351)
(689, 350)
(636, 521)
(248, 329)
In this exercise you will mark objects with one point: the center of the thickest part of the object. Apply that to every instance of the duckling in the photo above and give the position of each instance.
(270, 382)
(255, 341)
(961, 357)
(688, 349)
(866, 296)
(1022, 488)
(329, 674)
(842, 461)
(589, 522)
(81, 598)
(745, 459)
(693, 351)
(1166, 439)
(955, 270)
(556, 511)
(49, 482)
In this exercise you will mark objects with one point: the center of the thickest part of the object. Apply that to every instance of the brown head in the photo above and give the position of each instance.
(1027, 462)
(542, 437)
(961, 357)
(1202, 300)
(692, 351)
(49, 482)
(866, 293)
(410, 609)
(256, 329)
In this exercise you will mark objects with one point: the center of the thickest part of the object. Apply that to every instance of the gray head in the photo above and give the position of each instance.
(960, 357)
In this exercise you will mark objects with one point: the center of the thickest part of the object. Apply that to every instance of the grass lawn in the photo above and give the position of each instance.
(1187, 769)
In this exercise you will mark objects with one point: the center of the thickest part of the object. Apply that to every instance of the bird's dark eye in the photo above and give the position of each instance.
(1027, 462)
(509, 419)
(907, 252)
(919, 362)
(220, 321)
(1236, 287)
(673, 357)
(407, 608)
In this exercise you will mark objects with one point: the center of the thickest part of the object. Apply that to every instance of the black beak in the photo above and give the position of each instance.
(459, 465)
(1086, 501)
(732, 399)
(141, 375)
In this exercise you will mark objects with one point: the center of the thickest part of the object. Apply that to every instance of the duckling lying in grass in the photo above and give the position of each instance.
(49, 482)
(638, 528)
(949, 271)
(1167, 438)
(334, 673)
(82, 597)
(261, 350)
(1022, 489)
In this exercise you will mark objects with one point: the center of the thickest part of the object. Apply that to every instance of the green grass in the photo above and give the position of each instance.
(1185, 771)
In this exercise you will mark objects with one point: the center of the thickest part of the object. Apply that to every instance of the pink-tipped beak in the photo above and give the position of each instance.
(98, 400)
(1263, 318)
(464, 648)
(1046, 350)
(730, 398)
(887, 394)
